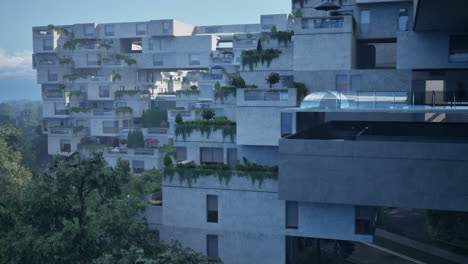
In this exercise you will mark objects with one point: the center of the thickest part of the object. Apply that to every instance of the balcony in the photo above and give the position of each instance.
(267, 97)
(131, 152)
(53, 94)
(330, 22)
(333, 24)
(212, 77)
(220, 60)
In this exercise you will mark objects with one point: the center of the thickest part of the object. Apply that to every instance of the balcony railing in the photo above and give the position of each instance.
(326, 22)
(266, 95)
(60, 131)
(147, 152)
(53, 95)
(157, 131)
(214, 77)
(124, 151)
(222, 61)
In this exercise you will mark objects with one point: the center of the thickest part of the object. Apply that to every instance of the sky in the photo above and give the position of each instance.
(17, 17)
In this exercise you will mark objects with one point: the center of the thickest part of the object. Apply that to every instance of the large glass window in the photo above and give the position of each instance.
(458, 48)
(110, 126)
(52, 75)
(403, 20)
(142, 29)
(365, 21)
(48, 44)
(61, 108)
(158, 60)
(212, 246)
(212, 208)
(109, 30)
(232, 157)
(104, 91)
(286, 124)
(194, 59)
(181, 153)
(342, 83)
(212, 155)
(89, 30)
(138, 166)
(292, 214)
(65, 145)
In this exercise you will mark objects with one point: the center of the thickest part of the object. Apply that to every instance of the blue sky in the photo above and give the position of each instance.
(17, 17)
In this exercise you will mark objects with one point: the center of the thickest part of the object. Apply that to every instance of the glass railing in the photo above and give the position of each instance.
(266, 95)
(326, 22)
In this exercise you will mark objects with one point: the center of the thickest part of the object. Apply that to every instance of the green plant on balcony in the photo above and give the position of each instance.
(178, 119)
(301, 2)
(123, 110)
(282, 36)
(154, 118)
(115, 76)
(77, 129)
(186, 128)
(290, 16)
(73, 77)
(100, 44)
(127, 60)
(194, 87)
(82, 109)
(180, 93)
(298, 13)
(301, 91)
(63, 61)
(190, 173)
(74, 93)
(249, 36)
(58, 30)
(253, 57)
(273, 79)
(119, 94)
(135, 139)
(208, 114)
(222, 93)
(70, 45)
(93, 147)
(211, 55)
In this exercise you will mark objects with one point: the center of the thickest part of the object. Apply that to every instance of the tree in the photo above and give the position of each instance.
(135, 139)
(273, 79)
(299, 13)
(208, 114)
(167, 160)
(237, 81)
(448, 226)
(178, 119)
(274, 29)
(217, 85)
(194, 87)
(7, 115)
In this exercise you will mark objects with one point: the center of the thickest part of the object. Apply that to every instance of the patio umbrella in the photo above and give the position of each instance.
(327, 6)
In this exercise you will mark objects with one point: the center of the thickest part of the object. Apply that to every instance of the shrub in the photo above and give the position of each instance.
(208, 114)
(298, 13)
(194, 87)
(274, 29)
(178, 119)
(135, 139)
(167, 160)
(273, 78)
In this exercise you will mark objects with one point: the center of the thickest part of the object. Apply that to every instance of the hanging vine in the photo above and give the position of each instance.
(185, 129)
(253, 57)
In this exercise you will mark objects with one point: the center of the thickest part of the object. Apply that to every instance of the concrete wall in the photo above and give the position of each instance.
(378, 173)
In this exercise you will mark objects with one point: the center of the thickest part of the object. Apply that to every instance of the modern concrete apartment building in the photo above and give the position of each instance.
(383, 121)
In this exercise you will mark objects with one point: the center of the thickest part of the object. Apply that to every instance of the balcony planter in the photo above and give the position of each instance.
(253, 57)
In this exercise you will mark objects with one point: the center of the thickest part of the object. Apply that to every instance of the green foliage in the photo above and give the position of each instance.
(222, 93)
(283, 36)
(228, 128)
(249, 36)
(302, 91)
(93, 147)
(58, 30)
(63, 61)
(154, 118)
(208, 114)
(253, 57)
(178, 119)
(194, 87)
(120, 94)
(70, 45)
(290, 16)
(167, 160)
(123, 110)
(148, 182)
(237, 81)
(115, 76)
(77, 129)
(73, 77)
(190, 173)
(274, 29)
(127, 59)
(217, 85)
(211, 55)
(7, 114)
(448, 226)
(235, 36)
(298, 13)
(273, 78)
(100, 44)
(168, 149)
(135, 139)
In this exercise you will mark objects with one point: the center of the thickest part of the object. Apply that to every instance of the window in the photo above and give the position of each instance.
(152, 44)
(181, 153)
(110, 126)
(356, 81)
(363, 217)
(142, 29)
(166, 27)
(48, 44)
(120, 104)
(365, 21)
(403, 20)
(61, 109)
(109, 30)
(232, 157)
(286, 124)
(212, 246)
(158, 60)
(194, 59)
(342, 83)
(126, 123)
(212, 208)
(52, 75)
(292, 215)
(93, 59)
(65, 145)
(458, 48)
(271, 95)
(104, 91)
(89, 30)
(212, 155)
(158, 44)
(138, 166)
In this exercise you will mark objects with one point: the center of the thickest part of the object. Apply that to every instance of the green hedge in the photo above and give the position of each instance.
(154, 118)
(228, 128)
(253, 57)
